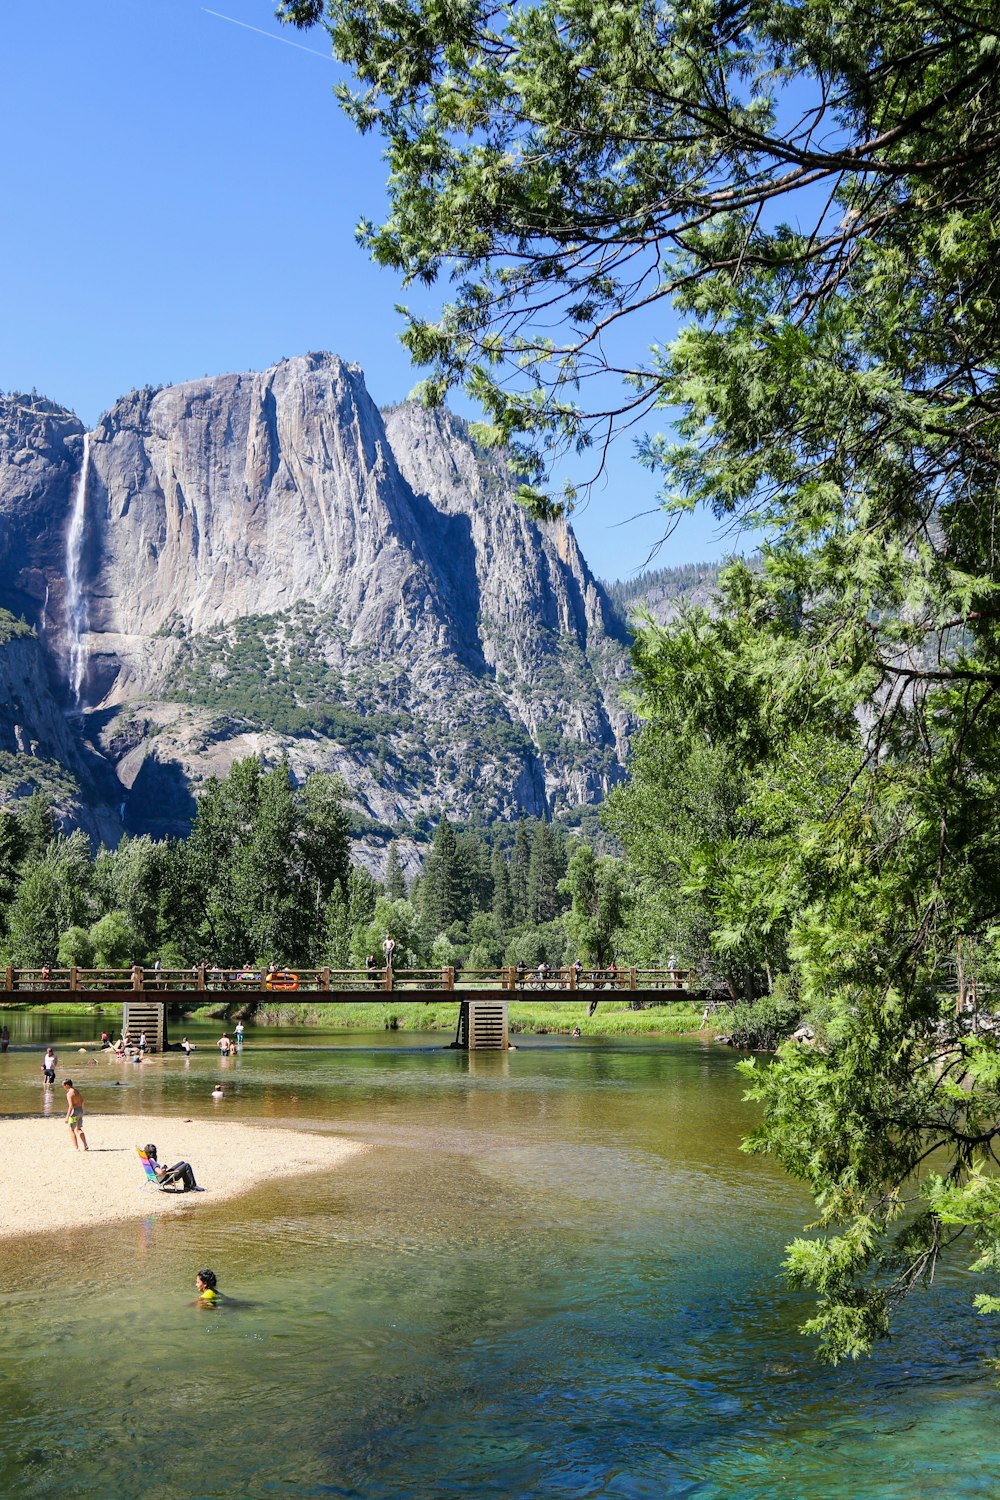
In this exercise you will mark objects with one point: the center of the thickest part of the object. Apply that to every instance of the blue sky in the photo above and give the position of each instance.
(179, 199)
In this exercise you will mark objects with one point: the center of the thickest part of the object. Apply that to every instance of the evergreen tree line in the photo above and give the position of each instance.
(667, 582)
(266, 877)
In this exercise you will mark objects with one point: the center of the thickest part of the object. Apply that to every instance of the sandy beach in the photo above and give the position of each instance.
(45, 1184)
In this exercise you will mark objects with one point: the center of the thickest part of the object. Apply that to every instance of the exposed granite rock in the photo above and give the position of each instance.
(40, 450)
(271, 565)
(40, 748)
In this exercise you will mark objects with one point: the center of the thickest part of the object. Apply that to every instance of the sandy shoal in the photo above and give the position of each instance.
(45, 1184)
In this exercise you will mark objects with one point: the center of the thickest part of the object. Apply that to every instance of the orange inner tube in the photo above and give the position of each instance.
(282, 979)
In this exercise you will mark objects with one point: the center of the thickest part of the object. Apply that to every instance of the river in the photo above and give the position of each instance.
(556, 1275)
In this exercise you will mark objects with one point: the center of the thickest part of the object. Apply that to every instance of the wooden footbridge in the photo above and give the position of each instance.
(483, 995)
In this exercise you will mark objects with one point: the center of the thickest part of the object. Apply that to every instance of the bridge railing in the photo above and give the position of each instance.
(212, 978)
(44, 978)
(663, 979)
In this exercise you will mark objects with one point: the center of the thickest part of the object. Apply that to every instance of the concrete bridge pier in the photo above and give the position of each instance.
(482, 1025)
(144, 1015)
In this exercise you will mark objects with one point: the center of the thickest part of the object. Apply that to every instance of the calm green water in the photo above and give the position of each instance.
(554, 1276)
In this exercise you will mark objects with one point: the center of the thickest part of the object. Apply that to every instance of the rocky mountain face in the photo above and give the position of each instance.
(265, 563)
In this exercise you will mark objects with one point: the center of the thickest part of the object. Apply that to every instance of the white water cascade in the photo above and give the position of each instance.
(76, 603)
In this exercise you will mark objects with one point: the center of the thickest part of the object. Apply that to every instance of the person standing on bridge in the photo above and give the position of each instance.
(388, 949)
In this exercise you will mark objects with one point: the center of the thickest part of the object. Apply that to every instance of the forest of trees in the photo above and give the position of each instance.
(674, 583)
(266, 877)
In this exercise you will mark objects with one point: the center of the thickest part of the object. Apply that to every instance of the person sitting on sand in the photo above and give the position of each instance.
(207, 1286)
(169, 1176)
(74, 1114)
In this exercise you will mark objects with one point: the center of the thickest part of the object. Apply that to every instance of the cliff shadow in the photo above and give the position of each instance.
(160, 801)
(449, 551)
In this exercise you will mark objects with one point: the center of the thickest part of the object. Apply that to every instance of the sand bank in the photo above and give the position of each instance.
(45, 1184)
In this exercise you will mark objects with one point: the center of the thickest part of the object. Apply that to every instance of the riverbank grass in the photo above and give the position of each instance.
(534, 1016)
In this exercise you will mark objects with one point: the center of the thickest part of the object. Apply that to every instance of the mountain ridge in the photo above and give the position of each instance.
(270, 565)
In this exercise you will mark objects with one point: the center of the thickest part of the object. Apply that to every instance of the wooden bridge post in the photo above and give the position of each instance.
(631, 979)
(199, 978)
(137, 977)
(448, 977)
(74, 977)
(8, 978)
(324, 978)
(387, 979)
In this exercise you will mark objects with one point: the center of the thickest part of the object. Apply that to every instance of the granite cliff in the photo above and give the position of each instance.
(265, 563)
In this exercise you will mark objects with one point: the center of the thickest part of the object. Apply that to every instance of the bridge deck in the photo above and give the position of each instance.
(552, 995)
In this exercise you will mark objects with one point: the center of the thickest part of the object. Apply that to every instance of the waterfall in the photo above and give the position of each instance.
(76, 604)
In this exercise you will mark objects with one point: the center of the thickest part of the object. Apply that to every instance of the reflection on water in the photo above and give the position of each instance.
(555, 1276)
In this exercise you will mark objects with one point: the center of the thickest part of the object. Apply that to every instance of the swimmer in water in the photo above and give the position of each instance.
(217, 1092)
(207, 1286)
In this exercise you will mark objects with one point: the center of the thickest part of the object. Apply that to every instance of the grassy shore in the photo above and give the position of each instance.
(538, 1016)
(613, 1018)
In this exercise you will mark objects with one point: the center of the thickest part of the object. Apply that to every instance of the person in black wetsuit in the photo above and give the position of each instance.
(170, 1176)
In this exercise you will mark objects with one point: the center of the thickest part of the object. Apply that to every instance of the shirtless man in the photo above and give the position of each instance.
(74, 1114)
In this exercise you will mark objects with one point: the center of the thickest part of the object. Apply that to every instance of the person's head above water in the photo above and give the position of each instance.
(206, 1282)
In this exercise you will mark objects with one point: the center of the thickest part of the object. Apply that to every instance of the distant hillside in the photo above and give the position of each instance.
(664, 590)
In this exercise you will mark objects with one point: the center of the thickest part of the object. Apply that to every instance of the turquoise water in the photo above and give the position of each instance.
(555, 1275)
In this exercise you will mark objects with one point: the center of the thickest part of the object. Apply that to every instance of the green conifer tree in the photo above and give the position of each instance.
(475, 879)
(395, 880)
(544, 873)
(442, 896)
(503, 903)
(520, 863)
(363, 890)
